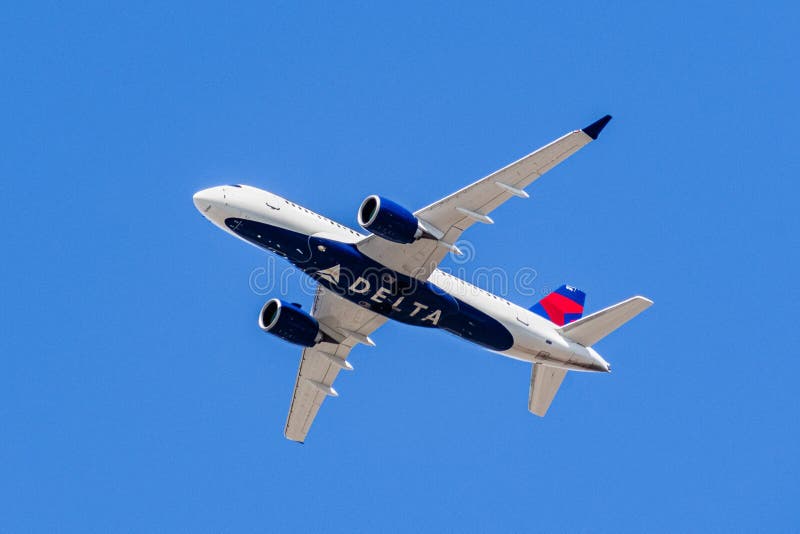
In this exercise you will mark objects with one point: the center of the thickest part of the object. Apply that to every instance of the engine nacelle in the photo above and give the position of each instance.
(388, 220)
(289, 322)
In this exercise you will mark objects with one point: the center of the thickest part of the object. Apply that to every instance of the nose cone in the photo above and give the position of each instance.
(206, 199)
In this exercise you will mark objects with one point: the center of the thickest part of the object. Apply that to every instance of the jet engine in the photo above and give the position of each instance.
(289, 322)
(389, 220)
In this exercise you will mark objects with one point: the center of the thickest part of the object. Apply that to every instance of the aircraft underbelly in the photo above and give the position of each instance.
(344, 270)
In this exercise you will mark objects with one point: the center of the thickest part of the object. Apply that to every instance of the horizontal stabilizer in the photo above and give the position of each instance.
(592, 328)
(545, 382)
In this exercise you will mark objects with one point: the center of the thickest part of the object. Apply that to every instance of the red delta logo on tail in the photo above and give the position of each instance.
(562, 306)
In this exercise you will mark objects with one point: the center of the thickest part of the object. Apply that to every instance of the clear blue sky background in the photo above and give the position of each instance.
(138, 394)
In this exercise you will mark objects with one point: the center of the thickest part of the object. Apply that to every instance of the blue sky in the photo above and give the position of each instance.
(138, 394)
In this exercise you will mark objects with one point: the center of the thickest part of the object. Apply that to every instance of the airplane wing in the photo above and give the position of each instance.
(319, 365)
(450, 216)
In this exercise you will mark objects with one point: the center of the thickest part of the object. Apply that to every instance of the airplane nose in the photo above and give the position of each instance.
(204, 200)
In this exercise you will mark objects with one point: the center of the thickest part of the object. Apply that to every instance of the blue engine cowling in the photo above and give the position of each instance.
(289, 322)
(388, 220)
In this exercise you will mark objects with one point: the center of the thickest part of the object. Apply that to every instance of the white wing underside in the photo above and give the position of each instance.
(457, 212)
(319, 365)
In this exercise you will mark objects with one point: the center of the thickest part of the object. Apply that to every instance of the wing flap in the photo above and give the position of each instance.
(545, 382)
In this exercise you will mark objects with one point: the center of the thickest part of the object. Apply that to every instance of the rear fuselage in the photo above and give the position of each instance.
(328, 252)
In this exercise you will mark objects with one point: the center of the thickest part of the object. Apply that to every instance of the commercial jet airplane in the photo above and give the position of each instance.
(392, 273)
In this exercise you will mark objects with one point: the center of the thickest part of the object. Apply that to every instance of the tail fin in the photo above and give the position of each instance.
(562, 306)
(594, 327)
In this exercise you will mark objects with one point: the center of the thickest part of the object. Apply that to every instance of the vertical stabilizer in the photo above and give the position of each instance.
(562, 306)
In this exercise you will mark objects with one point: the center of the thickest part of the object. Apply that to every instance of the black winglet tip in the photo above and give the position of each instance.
(594, 129)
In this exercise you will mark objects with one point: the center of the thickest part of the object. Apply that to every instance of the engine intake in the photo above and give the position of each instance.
(389, 220)
(289, 322)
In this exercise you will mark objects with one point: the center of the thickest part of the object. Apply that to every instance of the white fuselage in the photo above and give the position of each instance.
(535, 339)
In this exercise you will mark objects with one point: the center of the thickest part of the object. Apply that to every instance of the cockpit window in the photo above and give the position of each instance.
(235, 185)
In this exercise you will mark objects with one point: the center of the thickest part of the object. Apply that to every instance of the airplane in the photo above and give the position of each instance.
(392, 273)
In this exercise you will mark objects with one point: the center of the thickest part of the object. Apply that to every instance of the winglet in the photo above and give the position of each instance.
(594, 129)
